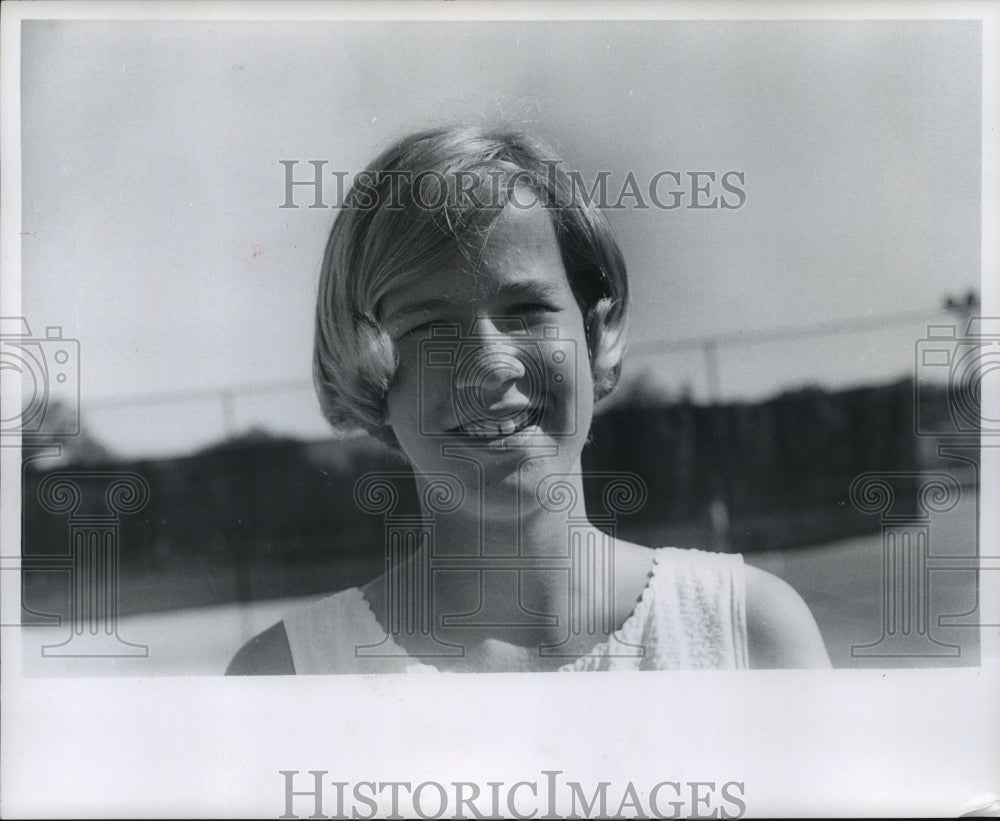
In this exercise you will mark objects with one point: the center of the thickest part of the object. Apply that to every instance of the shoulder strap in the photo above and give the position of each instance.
(697, 612)
(337, 634)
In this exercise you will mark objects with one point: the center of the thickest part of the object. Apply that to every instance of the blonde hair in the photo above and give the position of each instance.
(390, 233)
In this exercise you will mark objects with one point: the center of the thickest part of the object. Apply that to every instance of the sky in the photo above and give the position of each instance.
(152, 180)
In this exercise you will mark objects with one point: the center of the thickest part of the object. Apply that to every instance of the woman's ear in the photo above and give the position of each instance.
(606, 336)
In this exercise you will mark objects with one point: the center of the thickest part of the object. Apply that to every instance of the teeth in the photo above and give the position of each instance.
(505, 428)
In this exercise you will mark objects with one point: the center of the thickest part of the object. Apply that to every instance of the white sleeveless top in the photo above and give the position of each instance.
(691, 616)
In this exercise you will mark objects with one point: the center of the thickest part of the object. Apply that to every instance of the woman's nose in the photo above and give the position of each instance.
(490, 370)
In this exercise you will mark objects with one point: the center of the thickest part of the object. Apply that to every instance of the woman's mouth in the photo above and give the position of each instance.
(493, 430)
(506, 441)
(497, 430)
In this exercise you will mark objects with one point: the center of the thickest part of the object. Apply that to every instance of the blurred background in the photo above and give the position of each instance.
(776, 349)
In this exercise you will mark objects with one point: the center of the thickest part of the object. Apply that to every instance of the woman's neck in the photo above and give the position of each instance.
(501, 562)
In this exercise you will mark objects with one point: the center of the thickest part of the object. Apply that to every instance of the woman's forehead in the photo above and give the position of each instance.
(519, 251)
(519, 233)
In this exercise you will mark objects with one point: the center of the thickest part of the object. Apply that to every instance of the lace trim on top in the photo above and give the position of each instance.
(689, 615)
(629, 634)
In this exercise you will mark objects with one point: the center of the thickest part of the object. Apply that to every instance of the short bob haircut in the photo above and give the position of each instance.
(431, 199)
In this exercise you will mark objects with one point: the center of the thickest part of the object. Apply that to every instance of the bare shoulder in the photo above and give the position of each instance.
(266, 654)
(781, 630)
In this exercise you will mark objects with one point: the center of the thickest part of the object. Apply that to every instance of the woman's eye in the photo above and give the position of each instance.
(534, 308)
(423, 329)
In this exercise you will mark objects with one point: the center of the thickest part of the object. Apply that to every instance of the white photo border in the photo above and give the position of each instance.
(848, 742)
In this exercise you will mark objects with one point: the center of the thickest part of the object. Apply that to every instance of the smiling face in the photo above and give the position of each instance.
(492, 360)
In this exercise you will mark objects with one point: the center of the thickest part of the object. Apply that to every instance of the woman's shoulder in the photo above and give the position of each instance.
(266, 654)
(310, 637)
(781, 630)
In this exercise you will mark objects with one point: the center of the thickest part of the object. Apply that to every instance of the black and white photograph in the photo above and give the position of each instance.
(345, 342)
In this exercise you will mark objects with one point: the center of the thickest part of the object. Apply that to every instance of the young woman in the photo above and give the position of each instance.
(472, 309)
